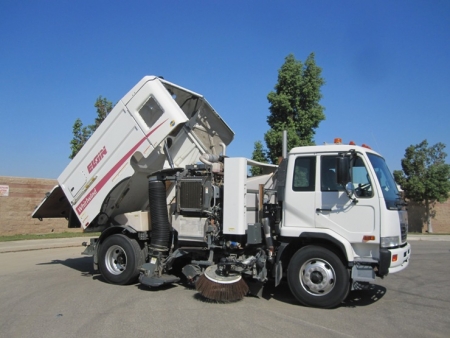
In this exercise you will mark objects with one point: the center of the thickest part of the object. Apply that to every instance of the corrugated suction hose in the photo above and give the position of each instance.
(158, 215)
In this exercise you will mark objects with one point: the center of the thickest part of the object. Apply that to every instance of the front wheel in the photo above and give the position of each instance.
(317, 277)
(120, 259)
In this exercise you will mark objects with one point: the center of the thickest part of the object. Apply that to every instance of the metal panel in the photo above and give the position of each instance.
(54, 205)
(235, 199)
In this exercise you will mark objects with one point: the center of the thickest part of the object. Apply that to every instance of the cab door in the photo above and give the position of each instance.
(336, 211)
(299, 202)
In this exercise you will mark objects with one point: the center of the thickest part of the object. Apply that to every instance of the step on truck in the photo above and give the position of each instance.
(171, 206)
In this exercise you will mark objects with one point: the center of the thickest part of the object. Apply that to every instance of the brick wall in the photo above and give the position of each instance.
(26, 193)
(440, 223)
(16, 208)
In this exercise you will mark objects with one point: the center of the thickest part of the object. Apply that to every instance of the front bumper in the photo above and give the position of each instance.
(403, 255)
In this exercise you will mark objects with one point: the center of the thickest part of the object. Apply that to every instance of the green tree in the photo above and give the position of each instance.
(425, 177)
(294, 106)
(259, 155)
(82, 133)
(103, 107)
(80, 136)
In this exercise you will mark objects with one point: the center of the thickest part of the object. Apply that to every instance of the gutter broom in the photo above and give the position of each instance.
(221, 285)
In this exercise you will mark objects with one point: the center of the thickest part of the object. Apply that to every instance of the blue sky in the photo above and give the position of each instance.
(386, 66)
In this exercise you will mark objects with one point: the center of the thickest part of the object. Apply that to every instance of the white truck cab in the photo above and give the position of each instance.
(365, 215)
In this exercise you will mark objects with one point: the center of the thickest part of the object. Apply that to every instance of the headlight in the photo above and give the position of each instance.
(389, 242)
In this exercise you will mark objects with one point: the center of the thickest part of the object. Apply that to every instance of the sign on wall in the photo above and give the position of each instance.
(4, 190)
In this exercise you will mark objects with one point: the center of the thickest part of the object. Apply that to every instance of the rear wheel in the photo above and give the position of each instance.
(317, 277)
(120, 259)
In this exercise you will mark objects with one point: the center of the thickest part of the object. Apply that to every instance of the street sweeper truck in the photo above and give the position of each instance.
(171, 206)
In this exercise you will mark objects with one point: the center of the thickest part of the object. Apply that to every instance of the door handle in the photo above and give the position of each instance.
(323, 210)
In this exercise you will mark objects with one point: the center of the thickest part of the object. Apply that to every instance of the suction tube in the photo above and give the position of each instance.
(158, 215)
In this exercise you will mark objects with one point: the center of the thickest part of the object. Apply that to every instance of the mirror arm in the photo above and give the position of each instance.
(353, 199)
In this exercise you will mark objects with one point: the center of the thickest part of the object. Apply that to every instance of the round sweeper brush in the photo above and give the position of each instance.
(216, 285)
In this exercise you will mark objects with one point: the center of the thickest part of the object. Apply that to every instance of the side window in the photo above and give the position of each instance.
(328, 180)
(304, 174)
(151, 111)
(361, 180)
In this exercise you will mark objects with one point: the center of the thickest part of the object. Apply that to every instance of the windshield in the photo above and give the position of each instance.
(386, 180)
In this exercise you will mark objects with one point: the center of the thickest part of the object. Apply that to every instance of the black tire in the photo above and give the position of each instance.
(317, 277)
(120, 259)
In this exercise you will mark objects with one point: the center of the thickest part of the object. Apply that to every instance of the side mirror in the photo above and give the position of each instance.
(343, 170)
(350, 188)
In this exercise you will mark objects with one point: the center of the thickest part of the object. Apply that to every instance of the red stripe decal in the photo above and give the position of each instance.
(90, 196)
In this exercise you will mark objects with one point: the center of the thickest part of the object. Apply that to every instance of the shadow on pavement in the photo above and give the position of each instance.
(281, 293)
(358, 298)
(365, 297)
(82, 264)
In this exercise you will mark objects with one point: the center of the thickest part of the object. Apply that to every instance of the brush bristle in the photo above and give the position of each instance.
(229, 292)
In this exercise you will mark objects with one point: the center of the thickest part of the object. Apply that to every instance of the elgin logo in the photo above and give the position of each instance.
(97, 159)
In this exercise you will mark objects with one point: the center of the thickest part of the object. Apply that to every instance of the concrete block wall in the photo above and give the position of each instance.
(26, 193)
(440, 223)
(16, 208)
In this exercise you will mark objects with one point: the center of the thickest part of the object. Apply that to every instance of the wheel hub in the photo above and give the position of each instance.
(317, 277)
(116, 260)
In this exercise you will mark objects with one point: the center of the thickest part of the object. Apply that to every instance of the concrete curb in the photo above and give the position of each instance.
(42, 244)
(440, 238)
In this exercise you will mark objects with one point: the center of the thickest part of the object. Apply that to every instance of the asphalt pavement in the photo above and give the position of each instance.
(40, 244)
(56, 293)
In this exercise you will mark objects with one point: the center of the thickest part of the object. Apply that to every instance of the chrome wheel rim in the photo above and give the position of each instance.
(116, 260)
(317, 277)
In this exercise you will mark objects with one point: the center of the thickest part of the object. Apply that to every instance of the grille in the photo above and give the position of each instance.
(404, 230)
(191, 195)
